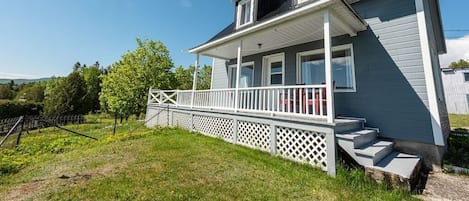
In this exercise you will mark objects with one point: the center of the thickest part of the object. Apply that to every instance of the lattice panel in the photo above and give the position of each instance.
(163, 118)
(150, 118)
(254, 135)
(214, 126)
(182, 120)
(302, 146)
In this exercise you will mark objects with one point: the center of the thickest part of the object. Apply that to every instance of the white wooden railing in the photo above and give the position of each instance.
(292, 100)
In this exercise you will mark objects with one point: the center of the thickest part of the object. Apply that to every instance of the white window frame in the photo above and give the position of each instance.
(267, 71)
(238, 17)
(321, 51)
(298, 2)
(234, 66)
(464, 76)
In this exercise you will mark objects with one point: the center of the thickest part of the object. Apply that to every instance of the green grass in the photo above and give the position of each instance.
(459, 121)
(171, 164)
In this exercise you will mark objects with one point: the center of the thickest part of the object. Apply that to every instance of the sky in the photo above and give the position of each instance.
(46, 38)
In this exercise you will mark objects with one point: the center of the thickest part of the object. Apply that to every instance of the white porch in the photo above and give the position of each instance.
(320, 20)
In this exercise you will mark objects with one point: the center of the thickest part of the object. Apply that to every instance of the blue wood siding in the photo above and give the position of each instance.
(219, 74)
(391, 89)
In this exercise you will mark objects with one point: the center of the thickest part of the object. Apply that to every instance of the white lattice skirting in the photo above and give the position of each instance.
(288, 141)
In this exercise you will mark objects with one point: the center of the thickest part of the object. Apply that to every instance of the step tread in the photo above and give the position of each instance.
(399, 164)
(353, 134)
(373, 148)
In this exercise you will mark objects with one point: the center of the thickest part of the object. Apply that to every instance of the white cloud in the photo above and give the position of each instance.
(4, 75)
(186, 3)
(458, 48)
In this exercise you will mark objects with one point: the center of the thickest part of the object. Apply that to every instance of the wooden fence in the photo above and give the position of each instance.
(32, 122)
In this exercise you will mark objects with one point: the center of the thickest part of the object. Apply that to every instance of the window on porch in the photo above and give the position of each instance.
(311, 69)
(247, 75)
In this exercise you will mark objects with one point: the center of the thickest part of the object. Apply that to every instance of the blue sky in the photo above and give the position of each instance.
(45, 38)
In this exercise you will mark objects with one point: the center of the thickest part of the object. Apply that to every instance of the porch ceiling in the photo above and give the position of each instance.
(299, 26)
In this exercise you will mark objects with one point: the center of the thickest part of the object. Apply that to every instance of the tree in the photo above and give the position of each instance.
(185, 77)
(32, 92)
(459, 64)
(77, 66)
(6, 92)
(204, 78)
(125, 86)
(65, 95)
(91, 76)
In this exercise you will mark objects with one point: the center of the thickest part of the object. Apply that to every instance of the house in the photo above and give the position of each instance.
(456, 86)
(303, 79)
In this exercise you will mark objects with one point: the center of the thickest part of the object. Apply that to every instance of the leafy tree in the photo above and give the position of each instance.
(91, 76)
(204, 78)
(6, 92)
(32, 92)
(77, 66)
(65, 96)
(185, 77)
(459, 64)
(126, 84)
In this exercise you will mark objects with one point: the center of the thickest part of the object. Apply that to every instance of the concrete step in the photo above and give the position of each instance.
(373, 152)
(400, 170)
(359, 138)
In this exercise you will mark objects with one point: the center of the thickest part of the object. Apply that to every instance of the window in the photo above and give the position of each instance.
(311, 68)
(276, 73)
(245, 12)
(466, 77)
(247, 75)
(301, 1)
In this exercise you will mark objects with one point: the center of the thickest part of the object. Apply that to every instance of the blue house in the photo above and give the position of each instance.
(303, 79)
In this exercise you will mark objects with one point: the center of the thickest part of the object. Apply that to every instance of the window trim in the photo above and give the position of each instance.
(266, 69)
(464, 76)
(238, 15)
(319, 51)
(235, 65)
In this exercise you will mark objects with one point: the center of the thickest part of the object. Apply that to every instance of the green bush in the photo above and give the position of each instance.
(458, 150)
(11, 109)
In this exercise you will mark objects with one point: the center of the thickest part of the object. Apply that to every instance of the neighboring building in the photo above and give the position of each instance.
(456, 84)
(297, 77)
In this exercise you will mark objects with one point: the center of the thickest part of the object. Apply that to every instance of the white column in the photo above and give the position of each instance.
(194, 80)
(238, 74)
(328, 65)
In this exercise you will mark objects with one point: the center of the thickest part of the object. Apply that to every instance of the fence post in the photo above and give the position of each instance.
(235, 131)
(331, 152)
(273, 139)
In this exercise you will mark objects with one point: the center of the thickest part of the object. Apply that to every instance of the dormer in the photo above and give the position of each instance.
(245, 12)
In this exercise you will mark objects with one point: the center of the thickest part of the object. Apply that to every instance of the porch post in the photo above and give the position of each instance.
(238, 74)
(194, 80)
(328, 69)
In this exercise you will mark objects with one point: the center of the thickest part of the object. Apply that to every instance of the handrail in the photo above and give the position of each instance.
(293, 99)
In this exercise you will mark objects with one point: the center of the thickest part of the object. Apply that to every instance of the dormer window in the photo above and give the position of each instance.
(245, 12)
(301, 1)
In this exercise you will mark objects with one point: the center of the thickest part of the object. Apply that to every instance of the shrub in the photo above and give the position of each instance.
(11, 109)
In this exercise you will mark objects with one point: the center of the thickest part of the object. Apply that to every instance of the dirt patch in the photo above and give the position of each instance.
(442, 186)
(35, 188)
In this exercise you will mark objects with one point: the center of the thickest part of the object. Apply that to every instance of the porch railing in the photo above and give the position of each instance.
(292, 100)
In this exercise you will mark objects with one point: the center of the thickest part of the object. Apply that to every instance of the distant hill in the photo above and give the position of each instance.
(21, 81)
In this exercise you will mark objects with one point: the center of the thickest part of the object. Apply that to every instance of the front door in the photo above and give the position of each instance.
(274, 70)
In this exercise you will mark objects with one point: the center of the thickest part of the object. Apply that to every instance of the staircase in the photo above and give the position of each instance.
(381, 162)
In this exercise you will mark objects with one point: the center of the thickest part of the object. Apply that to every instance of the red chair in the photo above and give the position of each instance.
(318, 100)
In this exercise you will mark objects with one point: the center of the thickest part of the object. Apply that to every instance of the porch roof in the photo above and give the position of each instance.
(297, 26)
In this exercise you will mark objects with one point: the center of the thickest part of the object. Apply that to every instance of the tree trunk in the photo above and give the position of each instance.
(115, 124)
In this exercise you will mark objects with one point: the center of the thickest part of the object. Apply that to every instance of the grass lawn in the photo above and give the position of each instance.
(459, 121)
(167, 164)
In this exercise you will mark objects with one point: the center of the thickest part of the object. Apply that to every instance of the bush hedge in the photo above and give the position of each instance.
(11, 109)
